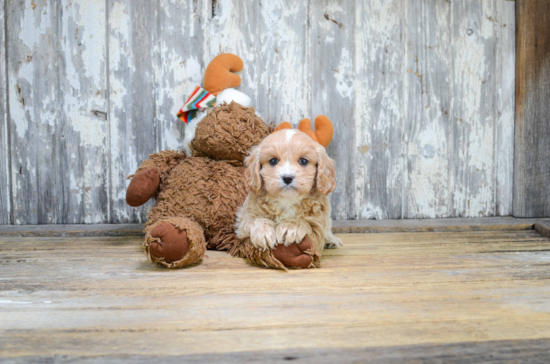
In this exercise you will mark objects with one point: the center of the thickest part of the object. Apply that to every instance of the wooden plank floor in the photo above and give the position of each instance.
(451, 297)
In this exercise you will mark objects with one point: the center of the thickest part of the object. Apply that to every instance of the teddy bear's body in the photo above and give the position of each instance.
(199, 195)
(205, 191)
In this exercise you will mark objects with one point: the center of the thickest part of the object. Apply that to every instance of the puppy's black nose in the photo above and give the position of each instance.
(288, 179)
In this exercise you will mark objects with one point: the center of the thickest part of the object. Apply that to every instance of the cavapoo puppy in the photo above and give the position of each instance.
(288, 176)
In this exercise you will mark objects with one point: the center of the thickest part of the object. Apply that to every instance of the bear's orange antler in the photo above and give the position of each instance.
(218, 76)
(323, 129)
(283, 125)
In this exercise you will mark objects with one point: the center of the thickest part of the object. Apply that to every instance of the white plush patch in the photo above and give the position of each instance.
(190, 130)
(231, 94)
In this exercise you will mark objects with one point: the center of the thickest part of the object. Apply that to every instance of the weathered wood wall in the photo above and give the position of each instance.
(5, 182)
(532, 133)
(421, 94)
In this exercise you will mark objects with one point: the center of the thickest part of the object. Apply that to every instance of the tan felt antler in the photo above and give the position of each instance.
(283, 125)
(218, 76)
(323, 129)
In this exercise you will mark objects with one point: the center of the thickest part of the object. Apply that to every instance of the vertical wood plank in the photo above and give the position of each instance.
(532, 126)
(57, 109)
(505, 78)
(84, 107)
(179, 65)
(283, 78)
(5, 183)
(234, 28)
(474, 98)
(379, 110)
(429, 95)
(332, 73)
(35, 117)
(133, 39)
(271, 38)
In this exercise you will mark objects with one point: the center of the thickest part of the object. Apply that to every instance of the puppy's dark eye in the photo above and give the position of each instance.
(303, 162)
(273, 161)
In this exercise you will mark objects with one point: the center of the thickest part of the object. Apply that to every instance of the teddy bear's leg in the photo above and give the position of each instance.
(297, 255)
(150, 175)
(174, 242)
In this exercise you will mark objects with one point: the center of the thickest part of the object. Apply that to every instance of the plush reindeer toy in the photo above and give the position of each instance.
(199, 190)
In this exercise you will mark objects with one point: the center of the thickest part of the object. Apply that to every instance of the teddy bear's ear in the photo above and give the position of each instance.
(283, 125)
(218, 76)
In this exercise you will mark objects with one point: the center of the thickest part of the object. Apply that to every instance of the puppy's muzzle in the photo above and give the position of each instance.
(288, 179)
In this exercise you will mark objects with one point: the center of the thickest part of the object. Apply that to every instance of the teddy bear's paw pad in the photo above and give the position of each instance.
(298, 255)
(143, 186)
(173, 244)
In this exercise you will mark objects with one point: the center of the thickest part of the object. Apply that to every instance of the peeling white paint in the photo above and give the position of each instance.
(371, 212)
(18, 105)
(344, 76)
(91, 129)
(33, 25)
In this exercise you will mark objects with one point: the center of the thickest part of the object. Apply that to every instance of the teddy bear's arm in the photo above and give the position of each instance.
(150, 175)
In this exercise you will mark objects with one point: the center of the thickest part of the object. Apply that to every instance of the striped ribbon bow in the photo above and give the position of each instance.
(199, 99)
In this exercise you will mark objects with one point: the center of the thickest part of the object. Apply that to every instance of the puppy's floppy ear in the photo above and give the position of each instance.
(326, 172)
(252, 171)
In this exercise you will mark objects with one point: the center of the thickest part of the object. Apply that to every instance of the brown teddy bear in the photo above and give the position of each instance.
(197, 193)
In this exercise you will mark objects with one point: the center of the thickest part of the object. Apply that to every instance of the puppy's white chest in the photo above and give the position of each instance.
(287, 208)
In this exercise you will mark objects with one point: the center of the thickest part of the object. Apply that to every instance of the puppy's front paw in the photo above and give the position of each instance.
(332, 242)
(262, 235)
(288, 233)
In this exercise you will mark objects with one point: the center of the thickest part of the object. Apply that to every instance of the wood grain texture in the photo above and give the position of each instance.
(505, 81)
(57, 108)
(532, 127)
(283, 61)
(332, 75)
(421, 95)
(5, 182)
(543, 228)
(497, 351)
(133, 37)
(35, 113)
(474, 108)
(472, 155)
(234, 28)
(460, 110)
(85, 297)
(84, 111)
(181, 58)
(427, 125)
(378, 117)
(156, 56)
(338, 227)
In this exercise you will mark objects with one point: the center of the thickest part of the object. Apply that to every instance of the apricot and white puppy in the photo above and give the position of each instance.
(288, 177)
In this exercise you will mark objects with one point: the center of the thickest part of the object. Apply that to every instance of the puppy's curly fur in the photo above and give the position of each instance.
(288, 177)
